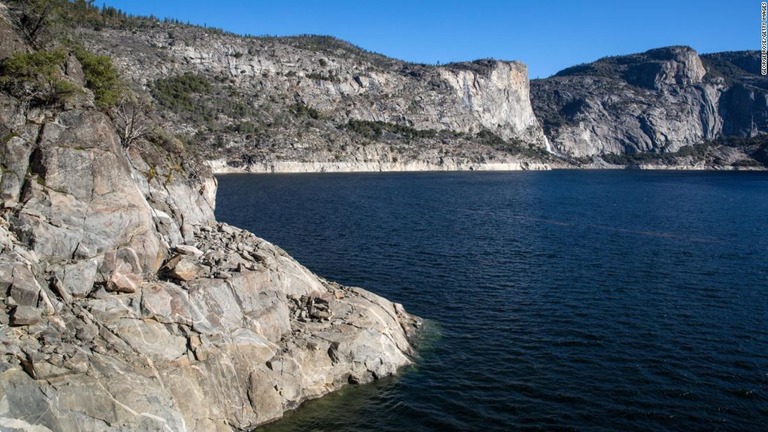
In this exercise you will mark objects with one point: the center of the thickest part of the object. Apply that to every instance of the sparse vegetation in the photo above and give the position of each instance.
(302, 110)
(101, 77)
(323, 77)
(706, 152)
(513, 147)
(212, 104)
(42, 20)
(132, 119)
(375, 129)
(180, 94)
(37, 77)
(338, 48)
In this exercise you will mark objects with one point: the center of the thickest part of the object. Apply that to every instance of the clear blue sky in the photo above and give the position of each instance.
(547, 35)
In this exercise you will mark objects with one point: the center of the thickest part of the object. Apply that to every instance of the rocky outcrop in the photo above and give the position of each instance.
(497, 95)
(126, 306)
(250, 335)
(656, 102)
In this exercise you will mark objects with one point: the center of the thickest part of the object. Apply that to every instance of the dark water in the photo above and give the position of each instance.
(568, 300)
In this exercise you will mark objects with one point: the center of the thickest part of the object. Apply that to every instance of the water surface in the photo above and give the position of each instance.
(565, 300)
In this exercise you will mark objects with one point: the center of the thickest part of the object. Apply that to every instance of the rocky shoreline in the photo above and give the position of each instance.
(221, 167)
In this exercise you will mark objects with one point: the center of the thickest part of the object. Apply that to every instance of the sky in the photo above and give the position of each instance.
(548, 36)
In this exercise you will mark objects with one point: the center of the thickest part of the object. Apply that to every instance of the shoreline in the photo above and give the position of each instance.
(220, 166)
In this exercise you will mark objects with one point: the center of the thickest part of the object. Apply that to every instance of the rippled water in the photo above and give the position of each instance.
(566, 300)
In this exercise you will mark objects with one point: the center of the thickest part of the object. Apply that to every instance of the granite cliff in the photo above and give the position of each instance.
(667, 105)
(267, 103)
(124, 304)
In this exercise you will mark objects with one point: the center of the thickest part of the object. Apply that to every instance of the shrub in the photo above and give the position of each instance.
(101, 77)
(322, 77)
(747, 163)
(177, 93)
(37, 77)
(303, 110)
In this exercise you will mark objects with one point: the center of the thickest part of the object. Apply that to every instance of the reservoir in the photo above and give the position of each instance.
(563, 300)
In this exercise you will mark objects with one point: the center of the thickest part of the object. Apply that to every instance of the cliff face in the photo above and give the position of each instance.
(314, 99)
(495, 94)
(659, 102)
(317, 103)
(126, 306)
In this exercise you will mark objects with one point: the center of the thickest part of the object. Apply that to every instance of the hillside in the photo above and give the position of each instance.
(250, 101)
(667, 105)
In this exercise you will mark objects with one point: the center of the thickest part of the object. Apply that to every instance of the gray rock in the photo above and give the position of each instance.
(183, 267)
(74, 70)
(25, 315)
(189, 250)
(16, 158)
(25, 290)
(122, 270)
(77, 278)
(58, 287)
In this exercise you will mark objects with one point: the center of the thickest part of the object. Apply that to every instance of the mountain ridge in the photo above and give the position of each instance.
(337, 92)
(659, 102)
(250, 102)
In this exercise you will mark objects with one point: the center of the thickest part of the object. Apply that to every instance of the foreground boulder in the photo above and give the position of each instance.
(256, 334)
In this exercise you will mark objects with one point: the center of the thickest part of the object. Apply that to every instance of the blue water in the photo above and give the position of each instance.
(566, 300)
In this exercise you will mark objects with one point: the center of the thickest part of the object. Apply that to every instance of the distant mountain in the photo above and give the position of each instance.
(667, 103)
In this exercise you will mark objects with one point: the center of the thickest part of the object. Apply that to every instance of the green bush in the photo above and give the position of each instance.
(36, 77)
(323, 77)
(202, 101)
(696, 150)
(179, 93)
(36, 64)
(368, 129)
(101, 77)
(302, 110)
(747, 163)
